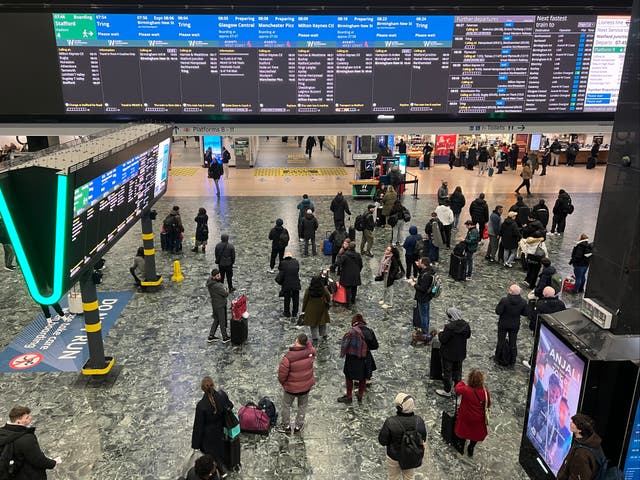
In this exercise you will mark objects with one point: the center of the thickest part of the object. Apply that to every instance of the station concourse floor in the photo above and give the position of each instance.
(140, 427)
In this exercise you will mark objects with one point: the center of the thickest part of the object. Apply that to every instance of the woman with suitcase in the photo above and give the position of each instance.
(472, 420)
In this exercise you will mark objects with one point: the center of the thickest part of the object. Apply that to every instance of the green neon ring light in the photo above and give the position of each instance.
(59, 246)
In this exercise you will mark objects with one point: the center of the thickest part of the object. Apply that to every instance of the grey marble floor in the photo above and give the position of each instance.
(140, 428)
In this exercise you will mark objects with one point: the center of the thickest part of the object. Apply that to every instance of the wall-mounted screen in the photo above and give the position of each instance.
(285, 64)
(212, 146)
(555, 394)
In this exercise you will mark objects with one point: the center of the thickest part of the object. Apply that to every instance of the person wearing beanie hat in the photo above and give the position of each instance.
(303, 206)
(309, 227)
(279, 237)
(359, 365)
(339, 207)
(368, 224)
(225, 257)
(218, 296)
(453, 349)
(413, 246)
(391, 435)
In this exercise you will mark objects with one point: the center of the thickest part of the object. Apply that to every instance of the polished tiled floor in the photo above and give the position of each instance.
(140, 428)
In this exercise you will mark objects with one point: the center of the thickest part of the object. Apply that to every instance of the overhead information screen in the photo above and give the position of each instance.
(279, 64)
(105, 207)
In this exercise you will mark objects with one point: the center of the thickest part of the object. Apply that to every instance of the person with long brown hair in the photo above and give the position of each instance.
(208, 425)
(471, 423)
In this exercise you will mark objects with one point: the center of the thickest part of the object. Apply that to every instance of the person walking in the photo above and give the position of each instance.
(413, 246)
(471, 422)
(581, 461)
(315, 306)
(295, 374)
(9, 253)
(388, 199)
(349, 264)
(339, 207)
(580, 258)
(452, 158)
(202, 230)
(303, 206)
(509, 311)
(31, 461)
(279, 237)
(137, 269)
(311, 142)
(443, 193)
(215, 170)
(355, 347)
(218, 296)
(495, 224)
(226, 158)
(435, 234)
(289, 280)
(369, 223)
(208, 425)
(471, 246)
(445, 215)
(423, 287)
(225, 258)
(320, 141)
(457, 202)
(389, 271)
(427, 150)
(392, 433)
(510, 236)
(453, 349)
(526, 175)
(479, 211)
(309, 227)
(561, 209)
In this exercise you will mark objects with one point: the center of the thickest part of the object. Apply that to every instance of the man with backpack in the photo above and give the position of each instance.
(561, 209)
(586, 458)
(173, 228)
(225, 255)
(22, 458)
(572, 152)
(279, 237)
(366, 223)
(404, 434)
(424, 286)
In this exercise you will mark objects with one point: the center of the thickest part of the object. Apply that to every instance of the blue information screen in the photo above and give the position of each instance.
(632, 462)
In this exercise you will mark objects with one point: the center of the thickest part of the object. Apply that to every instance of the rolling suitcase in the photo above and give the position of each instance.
(435, 363)
(163, 241)
(447, 428)
(591, 163)
(239, 331)
(490, 172)
(232, 454)
(351, 233)
(327, 245)
(457, 267)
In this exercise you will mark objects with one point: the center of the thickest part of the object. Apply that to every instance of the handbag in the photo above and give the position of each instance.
(231, 424)
(280, 277)
(485, 405)
(238, 307)
(300, 321)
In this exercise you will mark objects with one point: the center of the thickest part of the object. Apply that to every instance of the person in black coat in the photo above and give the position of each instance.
(453, 349)
(533, 228)
(311, 142)
(509, 309)
(544, 279)
(309, 227)
(510, 236)
(541, 212)
(337, 238)
(479, 211)
(561, 209)
(279, 237)
(359, 365)
(339, 207)
(215, 171)
(350, 264)
(208, 424)
(289, 279)
(26, 450)
(549, 303)
(202, 230)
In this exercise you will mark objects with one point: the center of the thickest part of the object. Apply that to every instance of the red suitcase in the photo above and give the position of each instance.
(341, 294)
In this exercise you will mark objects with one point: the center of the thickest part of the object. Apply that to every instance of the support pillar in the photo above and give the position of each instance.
(152, 280)
(97, 365)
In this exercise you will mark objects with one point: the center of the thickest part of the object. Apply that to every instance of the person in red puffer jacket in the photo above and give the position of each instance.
(295, 374)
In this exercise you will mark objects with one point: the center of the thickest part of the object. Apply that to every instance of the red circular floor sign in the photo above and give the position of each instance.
(25, 360)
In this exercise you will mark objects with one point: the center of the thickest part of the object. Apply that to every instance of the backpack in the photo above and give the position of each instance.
(573, 149)
(392, 220)
(359, 223)
(8, 466)
(556, 282)
(267, 406)
(283, 239)
(253, 420)
(570, 208)
(411, 449)
(436, 286)
(460, 249)
(604, 472)
(419, 248)
(170, 224)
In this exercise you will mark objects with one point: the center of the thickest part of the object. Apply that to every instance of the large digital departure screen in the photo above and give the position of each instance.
(105, 207)
(557, 381)
(349, 64)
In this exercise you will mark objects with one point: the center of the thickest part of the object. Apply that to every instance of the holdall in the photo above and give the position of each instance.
(485, 232)
(341, 294)
(238, 307)
(253, 420)
(569, 284)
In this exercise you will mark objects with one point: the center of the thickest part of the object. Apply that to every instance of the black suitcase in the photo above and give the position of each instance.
(447, 428)
(163, 241)
(591, 163)
(232, 454)
(352, 234)
(435, 363)
(457, 267)
(239, 331)
(417, 323)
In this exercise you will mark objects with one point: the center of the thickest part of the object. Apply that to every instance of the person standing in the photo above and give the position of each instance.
(303, 206)
(443, 193)
(337, 239)
(355, 347)
(289, 280)
(279, 237)
(350, 265)
(366, 244)
(435, 234)
(295, 374)
(483, 160)
(60, 315)
(300, 138)
(509, 311)
(457, 202)
(208, 425)
(510, 235)
(532, 158)
(215, 171)
(445, 215)
(225, 255)
(595, 149)
(453, 349)
(471, 422)
(555, 149)
(202, 230)
(226, 158)
(472, 156)
(33, 463)
(572, 152)
(137, 269)
(396, 220)
(388, 199)
(561, 209)
(452, 158)
(218, 296)
(392, 432)
(412, 251)
(402, 146)
(494, 233)
(204, 468)
(544, 279)
(315, 306)
(390, 270)
(339, 207)
(526, 175)
(9, 254)
(471, 246)
(423, 291)
(540, 212)
(311, 142)
(462, 152)
(309, 227)
(479, 211)
(426, 154)
(173, 228)
(546, 156)
(581, 460)
(514, 153)
(580, 258)
(320, 141)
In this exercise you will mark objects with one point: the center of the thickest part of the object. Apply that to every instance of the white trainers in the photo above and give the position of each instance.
(385, 306)
(381, 302)
(271, 270)
(526, 364)
(443, 393)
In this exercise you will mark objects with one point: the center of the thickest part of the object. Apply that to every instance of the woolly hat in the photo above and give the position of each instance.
(404, 403)
(215, 272)
(279, 222)
(454, 314)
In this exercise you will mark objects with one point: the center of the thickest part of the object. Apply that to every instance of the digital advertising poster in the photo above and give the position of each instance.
(555, 394)
(212, 146)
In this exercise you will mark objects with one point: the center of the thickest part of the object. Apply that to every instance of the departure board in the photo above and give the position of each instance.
(347, 64)
(106, 206)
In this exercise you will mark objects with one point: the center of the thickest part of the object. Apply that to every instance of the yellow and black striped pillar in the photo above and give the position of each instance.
(97, 364)
(151, 278)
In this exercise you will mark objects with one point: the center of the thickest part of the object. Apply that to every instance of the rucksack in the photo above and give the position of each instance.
(170, 224)
(359, 223)
(266, 405)
(411, 449)
(419, 248)
(283, 239)
(436, 286)
(604, 472)
(8, 466)
(556, 282)
(460, 249)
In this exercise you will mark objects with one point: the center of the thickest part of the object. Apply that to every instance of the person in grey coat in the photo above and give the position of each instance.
(218, 296)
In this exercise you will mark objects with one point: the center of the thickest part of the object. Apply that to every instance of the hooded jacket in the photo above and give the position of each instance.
(510, 309)
(27, 452)
(410, 242)
(295, 372)
(544, 280)
(339, 207)
(305, 205)
(309, 225)
(457, 201)
(290, 269)
(453, 340)
(581, 254)
(580, 462)
(217, 293)
(350, 263)
(541, 212)
(510, 234)
(393, 429)
(445, 214)
(561, 207)
(274, 236)
(479, 210)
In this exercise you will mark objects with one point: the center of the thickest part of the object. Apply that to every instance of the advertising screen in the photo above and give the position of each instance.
(632, 462)
(557, 381)
(212, 146)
